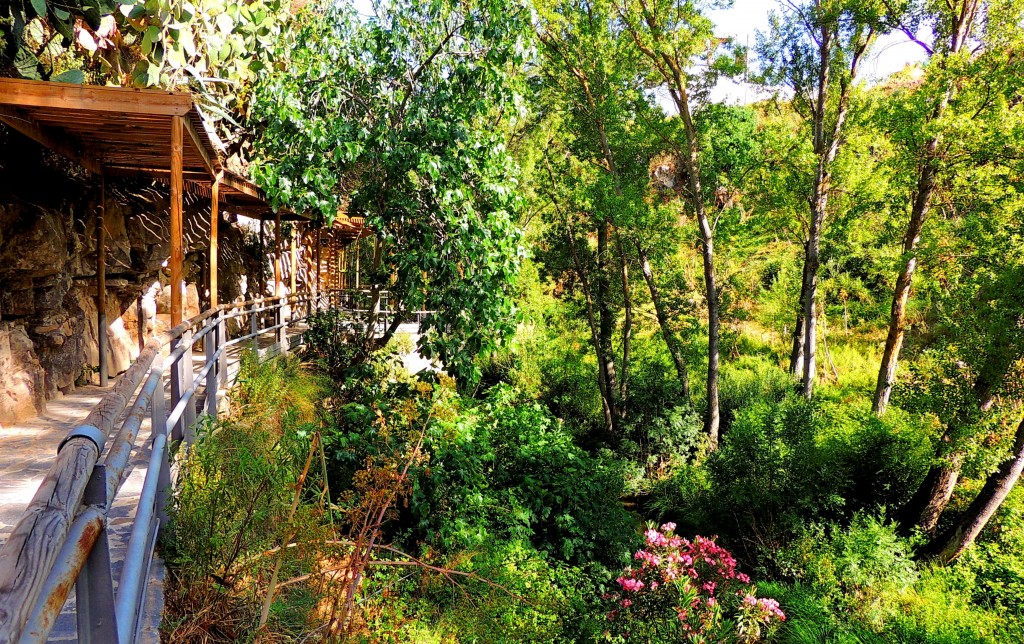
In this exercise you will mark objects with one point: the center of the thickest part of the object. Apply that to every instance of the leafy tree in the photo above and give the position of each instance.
(399, 118)
(815, 49)
(597, 100)
(671, 35)
(966, 56)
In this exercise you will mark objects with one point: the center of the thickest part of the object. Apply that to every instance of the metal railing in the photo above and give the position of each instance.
(60, 541)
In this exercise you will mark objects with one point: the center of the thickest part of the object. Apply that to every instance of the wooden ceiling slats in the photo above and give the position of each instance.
(123, 132)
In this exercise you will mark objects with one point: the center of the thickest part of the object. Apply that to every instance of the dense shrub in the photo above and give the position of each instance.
(233, 502)
(505, 468)
(786, 462)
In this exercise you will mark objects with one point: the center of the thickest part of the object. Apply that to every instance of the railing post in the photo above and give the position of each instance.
(189, 385)
(176, 389)
(222, 342)
(158, 422)
(254, 326)
(97, 622)
(211, 345)
(282, 331)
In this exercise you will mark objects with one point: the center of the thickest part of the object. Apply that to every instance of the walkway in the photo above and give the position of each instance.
(26, 452)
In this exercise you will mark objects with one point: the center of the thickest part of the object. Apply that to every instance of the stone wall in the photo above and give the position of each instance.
(48, 325)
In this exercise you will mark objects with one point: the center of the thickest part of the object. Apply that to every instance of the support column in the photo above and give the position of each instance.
(318, 260)
(358, 240)
(263, 263)
(214, 225)
(101, 283)
(177, 249)
(278, 264)
(330, 262)
(342, 266)
(295, 257)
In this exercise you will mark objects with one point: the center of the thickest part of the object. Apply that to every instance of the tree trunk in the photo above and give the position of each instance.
(998, 485)
(602, 384)
(962, 21)
(796, 356)
(692, 163)
(674, 348)
(898, 313)
(711, 418)
(606, 321)
(627, 326)
(810, 312)
(925, 508)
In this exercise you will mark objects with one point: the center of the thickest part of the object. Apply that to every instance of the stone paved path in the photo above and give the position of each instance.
(28, 448)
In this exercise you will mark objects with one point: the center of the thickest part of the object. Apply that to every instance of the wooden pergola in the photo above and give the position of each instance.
(116, 131)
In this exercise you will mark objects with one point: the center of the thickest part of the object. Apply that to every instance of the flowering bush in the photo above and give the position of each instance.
(688, 590)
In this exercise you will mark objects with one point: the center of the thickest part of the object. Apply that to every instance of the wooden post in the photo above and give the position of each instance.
(177, 249)
(278, 264)
(263, 263)
(343, 267)
(318, 260)
(358, 240)
(101, 283)
(295, 257)
(214, 224)
(330, 260)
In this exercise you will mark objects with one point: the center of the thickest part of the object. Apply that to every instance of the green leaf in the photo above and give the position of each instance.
(70, 76)
(40, 7)
(151, 36)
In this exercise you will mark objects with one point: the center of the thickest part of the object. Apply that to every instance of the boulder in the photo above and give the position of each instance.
(22, 379)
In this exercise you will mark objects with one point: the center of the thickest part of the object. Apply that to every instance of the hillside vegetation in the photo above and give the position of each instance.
(712, 372)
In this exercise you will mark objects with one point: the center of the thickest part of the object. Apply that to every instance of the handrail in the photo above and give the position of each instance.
(61, 541)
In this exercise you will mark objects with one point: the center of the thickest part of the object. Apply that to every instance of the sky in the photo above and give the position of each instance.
(742, 22)
(746, 17)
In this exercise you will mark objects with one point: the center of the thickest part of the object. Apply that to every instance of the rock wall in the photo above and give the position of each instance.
(48, 327)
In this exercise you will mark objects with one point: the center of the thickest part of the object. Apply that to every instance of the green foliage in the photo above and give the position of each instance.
(328, 341)
(236, 480)
(398, 118)
(22, 30)
(506, 469)
(787, 461)
(233, 503)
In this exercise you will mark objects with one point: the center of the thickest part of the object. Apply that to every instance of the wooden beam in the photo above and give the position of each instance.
(239, 184)
(93, 98)
(214, 224)
(212, 164)
(177, 228)
(318, 259)
(61, 143)
(101, 284)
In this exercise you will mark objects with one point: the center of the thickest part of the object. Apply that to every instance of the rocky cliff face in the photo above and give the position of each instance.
(48, 325)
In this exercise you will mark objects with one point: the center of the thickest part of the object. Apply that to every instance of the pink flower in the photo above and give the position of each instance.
(626, 603)
(743, 578)
(668, 527)
(632, 585)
